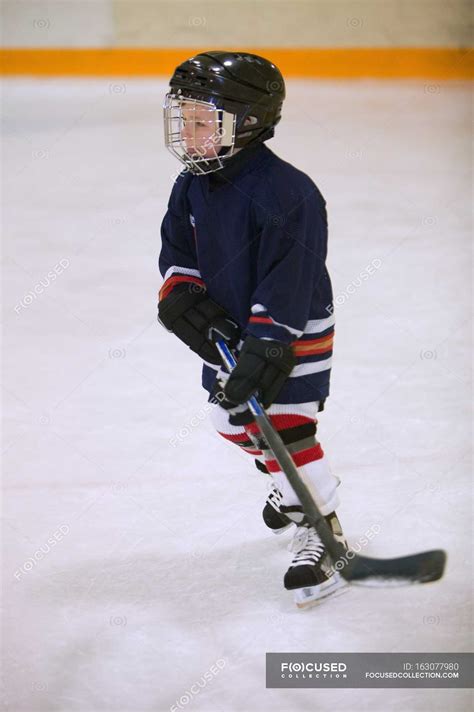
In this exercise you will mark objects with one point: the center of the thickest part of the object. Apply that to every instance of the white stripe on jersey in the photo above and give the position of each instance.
(304, 369)
(212, 365)
(314, 326)
(181, 270)
(258, 308)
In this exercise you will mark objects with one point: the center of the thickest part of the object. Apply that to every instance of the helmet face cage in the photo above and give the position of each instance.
(198, 133)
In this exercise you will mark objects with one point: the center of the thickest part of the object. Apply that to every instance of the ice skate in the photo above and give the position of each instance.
(272, 516)
(311, 575)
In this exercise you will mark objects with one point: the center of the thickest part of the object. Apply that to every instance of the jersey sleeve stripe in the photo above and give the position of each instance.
(176, 269)
(173, 281)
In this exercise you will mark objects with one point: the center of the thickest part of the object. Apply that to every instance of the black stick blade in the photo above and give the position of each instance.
(418, 568)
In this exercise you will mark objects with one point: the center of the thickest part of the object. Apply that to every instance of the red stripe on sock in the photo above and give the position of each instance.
(252, 428)
(289, 420)
(299, 458)
(239, 438)
(282, 421)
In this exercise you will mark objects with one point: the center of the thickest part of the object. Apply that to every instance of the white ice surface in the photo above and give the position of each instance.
(166, 566)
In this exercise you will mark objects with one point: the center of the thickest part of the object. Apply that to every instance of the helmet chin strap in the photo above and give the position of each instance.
(223, 150)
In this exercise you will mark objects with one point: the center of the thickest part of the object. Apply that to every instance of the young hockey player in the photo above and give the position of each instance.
(244, 244)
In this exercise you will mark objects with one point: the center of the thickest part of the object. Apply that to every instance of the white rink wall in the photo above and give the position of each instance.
(263, 23)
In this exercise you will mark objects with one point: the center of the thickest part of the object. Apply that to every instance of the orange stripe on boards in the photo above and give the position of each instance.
(316, 63)
(377, 63)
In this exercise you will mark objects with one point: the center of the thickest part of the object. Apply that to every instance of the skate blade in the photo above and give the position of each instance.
(310, 596)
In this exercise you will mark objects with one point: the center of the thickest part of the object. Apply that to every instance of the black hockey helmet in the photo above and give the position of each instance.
(249, 86)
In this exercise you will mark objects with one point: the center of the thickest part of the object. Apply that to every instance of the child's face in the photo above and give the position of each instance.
(199, 130)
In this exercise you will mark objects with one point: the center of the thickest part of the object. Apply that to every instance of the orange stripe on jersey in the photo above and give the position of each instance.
(260, 320)
(312, 342)
(313, 346)
(174, 280)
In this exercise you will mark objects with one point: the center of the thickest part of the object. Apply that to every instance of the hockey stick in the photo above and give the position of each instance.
(417, 568)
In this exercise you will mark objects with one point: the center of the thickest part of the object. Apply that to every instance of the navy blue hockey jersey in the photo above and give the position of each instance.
(257, 240)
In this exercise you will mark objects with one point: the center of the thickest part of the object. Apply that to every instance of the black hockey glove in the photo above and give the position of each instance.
(262, 368)
(193, 317)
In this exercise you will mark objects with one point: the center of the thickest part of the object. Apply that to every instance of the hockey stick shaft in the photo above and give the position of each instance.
(417, 568)
(336, 550)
